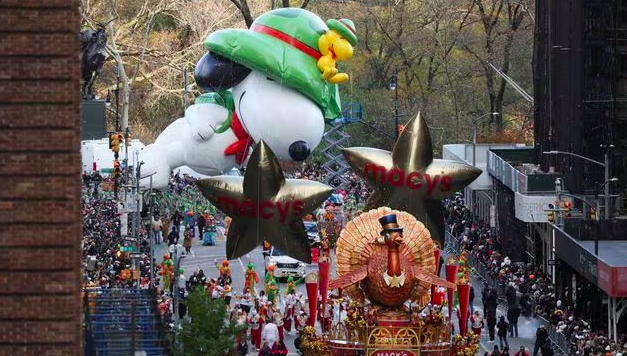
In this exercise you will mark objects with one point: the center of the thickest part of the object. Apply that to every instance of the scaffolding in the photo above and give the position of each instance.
(336, 165)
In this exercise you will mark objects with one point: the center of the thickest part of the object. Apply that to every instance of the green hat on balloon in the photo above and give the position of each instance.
(283, 44)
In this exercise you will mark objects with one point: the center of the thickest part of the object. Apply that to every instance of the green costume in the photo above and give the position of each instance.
(291, 284)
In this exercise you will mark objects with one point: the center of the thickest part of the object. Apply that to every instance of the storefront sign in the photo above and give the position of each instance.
(576, 256)
(531, 208)
(613, 280)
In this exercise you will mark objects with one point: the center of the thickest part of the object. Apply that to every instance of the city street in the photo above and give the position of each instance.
(205, 257)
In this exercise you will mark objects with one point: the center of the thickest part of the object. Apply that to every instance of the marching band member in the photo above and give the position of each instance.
(278, 320)
(255, 321)
(246, 301)
(290, 302)
(226, 294)
(301, 321)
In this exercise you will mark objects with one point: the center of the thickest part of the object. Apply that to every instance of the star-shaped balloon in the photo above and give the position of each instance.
(265, 206)
(409, 179)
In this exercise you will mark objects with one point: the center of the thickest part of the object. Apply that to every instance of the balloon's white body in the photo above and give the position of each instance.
(267, 110)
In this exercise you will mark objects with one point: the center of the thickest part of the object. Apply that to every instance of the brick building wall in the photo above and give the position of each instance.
(40, 219)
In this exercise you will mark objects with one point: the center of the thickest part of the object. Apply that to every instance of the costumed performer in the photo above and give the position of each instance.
(225, 273)
(290, 286)
(251, 279)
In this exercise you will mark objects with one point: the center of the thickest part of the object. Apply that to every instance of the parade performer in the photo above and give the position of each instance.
(225, 273)
(278, 319)
(327, 316)
(290, 286)
(290, 301)
(251, 279)
(246, 300)
(227, 294)
(209, 233)
(211, 284)
(273, 291)
(325, 249)
(439, 295)
(166, 270)
(263, 308)
(255, 321)
(269, 274)
(301, 321)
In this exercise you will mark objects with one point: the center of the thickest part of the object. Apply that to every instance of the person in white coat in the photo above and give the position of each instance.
(270, 333)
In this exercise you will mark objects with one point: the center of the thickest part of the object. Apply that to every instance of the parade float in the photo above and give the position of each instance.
(387, 261)
(387, 257)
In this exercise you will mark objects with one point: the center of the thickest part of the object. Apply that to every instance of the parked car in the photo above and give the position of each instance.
(284, 265)
(313, 233)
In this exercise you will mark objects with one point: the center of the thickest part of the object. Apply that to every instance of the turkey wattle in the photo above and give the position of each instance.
(389, 266)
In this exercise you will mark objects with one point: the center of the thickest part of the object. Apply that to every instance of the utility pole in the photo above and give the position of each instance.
(606, 179)
(176, 249)
(394, 86)
(151, 236)
(127, 141)
(137, 217)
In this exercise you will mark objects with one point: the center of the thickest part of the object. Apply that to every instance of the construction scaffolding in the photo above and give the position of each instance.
(335, 166)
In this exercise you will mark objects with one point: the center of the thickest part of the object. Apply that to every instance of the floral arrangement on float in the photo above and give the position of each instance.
(465, 345)
(311, 344)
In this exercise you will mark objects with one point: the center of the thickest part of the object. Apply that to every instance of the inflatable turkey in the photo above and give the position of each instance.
(388, 256)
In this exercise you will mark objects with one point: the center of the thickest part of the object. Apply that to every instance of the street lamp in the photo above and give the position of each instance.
(605, 164)
(474, 134)
(108, 99)
(394, 86)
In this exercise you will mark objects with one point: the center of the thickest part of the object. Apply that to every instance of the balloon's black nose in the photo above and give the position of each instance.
(299, 150)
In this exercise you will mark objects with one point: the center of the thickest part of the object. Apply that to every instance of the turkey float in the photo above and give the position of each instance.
(387, 256)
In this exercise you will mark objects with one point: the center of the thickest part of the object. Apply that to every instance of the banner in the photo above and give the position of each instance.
(436, 253)
(323, 284)
(451, 276)
(463, 291)
(311, 283)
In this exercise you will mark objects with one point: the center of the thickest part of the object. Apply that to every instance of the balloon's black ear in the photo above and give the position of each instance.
(216, 73)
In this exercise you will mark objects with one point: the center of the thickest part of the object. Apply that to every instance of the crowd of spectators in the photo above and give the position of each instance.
(526, 287)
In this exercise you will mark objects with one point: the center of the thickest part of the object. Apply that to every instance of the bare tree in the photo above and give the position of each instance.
(499, 33)
(245, 9)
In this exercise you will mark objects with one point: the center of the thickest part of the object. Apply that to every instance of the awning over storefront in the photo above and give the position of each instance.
(609, 272)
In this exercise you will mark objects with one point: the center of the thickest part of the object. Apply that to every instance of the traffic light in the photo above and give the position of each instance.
(117, 172)
(114, 142)
(127, 139)
(593, 214)
(401, 128)
(567, 207)
(550, 215)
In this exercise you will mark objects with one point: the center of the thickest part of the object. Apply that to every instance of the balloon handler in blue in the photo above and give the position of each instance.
(209, 233)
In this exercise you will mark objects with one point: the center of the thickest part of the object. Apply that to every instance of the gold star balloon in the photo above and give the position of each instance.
(265, 206)
(409, 179)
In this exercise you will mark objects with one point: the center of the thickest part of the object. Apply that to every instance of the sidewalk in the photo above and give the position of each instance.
(526, 326)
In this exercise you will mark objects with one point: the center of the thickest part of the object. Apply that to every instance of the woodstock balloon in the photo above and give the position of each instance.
(262, 83)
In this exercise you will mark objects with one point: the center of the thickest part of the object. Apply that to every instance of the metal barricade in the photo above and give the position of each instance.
(561, 346)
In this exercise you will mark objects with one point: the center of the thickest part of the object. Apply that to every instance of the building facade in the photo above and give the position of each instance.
(40, 208)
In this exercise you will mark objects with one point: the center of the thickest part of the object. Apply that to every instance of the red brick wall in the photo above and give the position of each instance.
(40, 227)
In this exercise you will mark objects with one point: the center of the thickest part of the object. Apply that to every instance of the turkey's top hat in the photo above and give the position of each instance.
(389, 224)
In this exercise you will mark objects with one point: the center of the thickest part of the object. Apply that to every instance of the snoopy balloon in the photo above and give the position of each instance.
(275, 81)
